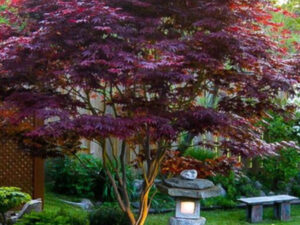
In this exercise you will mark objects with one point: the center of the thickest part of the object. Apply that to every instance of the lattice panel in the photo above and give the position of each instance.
(16, 166)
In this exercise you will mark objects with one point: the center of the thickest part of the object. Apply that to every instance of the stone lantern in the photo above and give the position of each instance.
(188, 191)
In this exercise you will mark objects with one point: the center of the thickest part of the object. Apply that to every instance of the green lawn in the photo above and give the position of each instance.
(231, 217)
(215, 217)
(53, 202)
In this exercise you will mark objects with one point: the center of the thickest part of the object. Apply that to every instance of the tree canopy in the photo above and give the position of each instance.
(146, 64)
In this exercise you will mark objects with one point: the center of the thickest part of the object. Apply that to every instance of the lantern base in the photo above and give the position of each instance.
(182, 221)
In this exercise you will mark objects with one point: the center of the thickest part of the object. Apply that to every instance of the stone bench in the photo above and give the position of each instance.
(282, 207)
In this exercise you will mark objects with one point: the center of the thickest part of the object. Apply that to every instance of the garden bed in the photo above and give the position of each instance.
(225, 217)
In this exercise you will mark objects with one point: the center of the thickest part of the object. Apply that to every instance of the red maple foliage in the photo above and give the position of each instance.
(174, 164)
(146, 63)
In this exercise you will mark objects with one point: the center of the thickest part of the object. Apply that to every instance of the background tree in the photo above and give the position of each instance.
(146, 63)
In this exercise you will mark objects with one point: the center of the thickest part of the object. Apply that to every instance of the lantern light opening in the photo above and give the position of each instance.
(187, 207)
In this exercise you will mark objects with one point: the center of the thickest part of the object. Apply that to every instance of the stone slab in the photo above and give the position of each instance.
(179, 221)
(267, 199)
(189, 193)
(255, 213)
(282, 211)
(197, 184)
(35, 205)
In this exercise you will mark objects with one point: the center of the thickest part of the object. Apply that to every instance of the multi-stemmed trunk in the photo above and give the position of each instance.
(119, 181)
(144, 208)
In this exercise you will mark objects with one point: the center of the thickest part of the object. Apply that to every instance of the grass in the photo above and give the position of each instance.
(215, 217)
(53, 203)
(231, 217)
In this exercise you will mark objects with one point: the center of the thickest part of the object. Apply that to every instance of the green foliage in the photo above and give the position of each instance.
(185, 142)
(2, 7)
(108, 215)
(209, 100)
(11, 197)
(279, 130)
(219, 201)
(278, 171)
(235, 187)
(2, 20)
(200, 153)
(53, 202)
(291, 23)
(296, 129)
(296, 190)
(161, 201)
(69, 176)
(60, 217)
(82, 177)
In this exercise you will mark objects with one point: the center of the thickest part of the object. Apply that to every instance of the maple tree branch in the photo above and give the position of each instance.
(152, 197)
(90, 105)
(112, 103)
(112, 180)
(114, 151)
(147, 148)
(123, 169)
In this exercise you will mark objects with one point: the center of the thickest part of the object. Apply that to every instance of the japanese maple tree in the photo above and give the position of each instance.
(146, 63)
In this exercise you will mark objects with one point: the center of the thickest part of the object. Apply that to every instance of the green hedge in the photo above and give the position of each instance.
(60, 217)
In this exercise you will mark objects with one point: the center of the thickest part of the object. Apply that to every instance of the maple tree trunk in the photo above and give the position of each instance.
(144, 207)
(130, 216)
(145, 200)
(143, 213)
(120, 187)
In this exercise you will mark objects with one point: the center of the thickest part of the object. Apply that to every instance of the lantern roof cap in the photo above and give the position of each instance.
(209, 192)
(197, 184)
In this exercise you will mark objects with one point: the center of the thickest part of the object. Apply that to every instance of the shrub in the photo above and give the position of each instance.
(219, 201)
(296, 129)
(69, 176)
(296, 190)
(278, 171)
(200, 153)
(235, 186)
(108, 215)
(279, 130)
(161, 200)
(11, 197)
(60, 217)
(83, 176)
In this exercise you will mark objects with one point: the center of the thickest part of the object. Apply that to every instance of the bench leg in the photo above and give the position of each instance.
(282, 211)
(254, 213)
